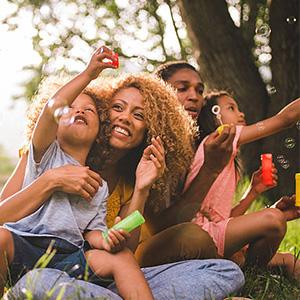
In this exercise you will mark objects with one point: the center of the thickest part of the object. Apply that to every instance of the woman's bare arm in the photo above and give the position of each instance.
(17, 203)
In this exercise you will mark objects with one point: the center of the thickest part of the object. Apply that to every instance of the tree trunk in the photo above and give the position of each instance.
(284, 41)
(226, 62)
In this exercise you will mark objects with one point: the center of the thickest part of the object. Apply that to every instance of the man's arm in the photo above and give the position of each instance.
(217, 152)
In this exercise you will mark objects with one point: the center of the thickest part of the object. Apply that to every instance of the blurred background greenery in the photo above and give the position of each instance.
(249, 47)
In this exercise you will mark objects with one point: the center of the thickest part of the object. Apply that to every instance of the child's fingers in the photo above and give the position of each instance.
(117, 220)
(115, 238)
(275, 177)
(103, 49)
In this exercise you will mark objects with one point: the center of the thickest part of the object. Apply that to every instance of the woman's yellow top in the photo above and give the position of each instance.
(120, 196)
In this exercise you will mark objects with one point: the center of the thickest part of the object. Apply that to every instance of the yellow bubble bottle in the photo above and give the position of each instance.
(297, 179)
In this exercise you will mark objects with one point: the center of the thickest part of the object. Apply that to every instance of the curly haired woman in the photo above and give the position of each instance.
(142, 111)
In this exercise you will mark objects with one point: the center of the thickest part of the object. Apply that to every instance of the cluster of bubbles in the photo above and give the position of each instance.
(62, 111)
(289, 143)
(263, 30)
(291, 20)
(298, 125)
(141, 61)
(283, 161)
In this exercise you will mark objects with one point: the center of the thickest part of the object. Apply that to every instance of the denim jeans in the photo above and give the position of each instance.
(187, 280)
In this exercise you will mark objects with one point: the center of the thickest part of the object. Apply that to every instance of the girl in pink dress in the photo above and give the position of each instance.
(230, 229)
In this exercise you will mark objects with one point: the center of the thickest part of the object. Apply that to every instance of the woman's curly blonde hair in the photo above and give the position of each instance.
(100, 149)
(164, 117)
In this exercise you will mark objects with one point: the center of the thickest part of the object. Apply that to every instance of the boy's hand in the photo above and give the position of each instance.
(117, 239)
(257, 182)
(97, 63)
(287, 205)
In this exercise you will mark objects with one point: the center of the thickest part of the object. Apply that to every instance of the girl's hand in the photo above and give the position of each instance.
(151, 166)
(117, 239)
(97, 65)
(287, 205)
(257, 183)
(77, 180)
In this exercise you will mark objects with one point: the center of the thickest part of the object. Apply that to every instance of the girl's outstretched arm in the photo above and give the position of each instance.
(288, 116)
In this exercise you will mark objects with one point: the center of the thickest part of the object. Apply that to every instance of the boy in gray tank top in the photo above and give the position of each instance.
(71, 224)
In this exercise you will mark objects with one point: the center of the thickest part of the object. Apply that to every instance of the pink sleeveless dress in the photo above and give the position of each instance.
(214, 213)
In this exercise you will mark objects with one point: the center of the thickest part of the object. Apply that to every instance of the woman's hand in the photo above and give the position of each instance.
(287, 205)
(257, 183)
(77, 180)
(101, 59)
(151, 166)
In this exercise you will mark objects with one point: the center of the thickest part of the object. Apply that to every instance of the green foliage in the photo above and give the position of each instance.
(65, 30)
(6, 165)
(291, 241)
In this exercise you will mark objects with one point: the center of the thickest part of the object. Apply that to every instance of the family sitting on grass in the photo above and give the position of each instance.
(99, 149)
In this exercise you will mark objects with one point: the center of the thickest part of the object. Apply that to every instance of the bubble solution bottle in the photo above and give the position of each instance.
(266, 166)
(131, 222)
(297, 183)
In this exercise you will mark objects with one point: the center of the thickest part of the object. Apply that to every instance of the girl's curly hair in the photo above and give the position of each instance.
(164, 117)
(99, 151)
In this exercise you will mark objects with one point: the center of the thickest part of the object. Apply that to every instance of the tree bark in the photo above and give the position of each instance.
(226, 62)
(284, 41)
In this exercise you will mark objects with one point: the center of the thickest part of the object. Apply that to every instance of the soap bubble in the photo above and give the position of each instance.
(263, 30)
(142, 60)
(271, 89)
(283, 162)
(60, 112)
(280, 158)
(216, 109)
(291, 20)
(289, 143)
(285, 165)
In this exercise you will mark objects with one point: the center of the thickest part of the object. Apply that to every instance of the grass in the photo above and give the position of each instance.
(259, 285)
(263, 285)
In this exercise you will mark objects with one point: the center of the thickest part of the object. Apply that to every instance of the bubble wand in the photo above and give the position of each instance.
(216, 109)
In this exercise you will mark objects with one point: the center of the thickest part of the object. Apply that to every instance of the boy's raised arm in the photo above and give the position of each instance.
(46, 128)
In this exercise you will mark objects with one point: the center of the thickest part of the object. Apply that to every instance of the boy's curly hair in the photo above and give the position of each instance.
(100, 148)
(164, 117)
